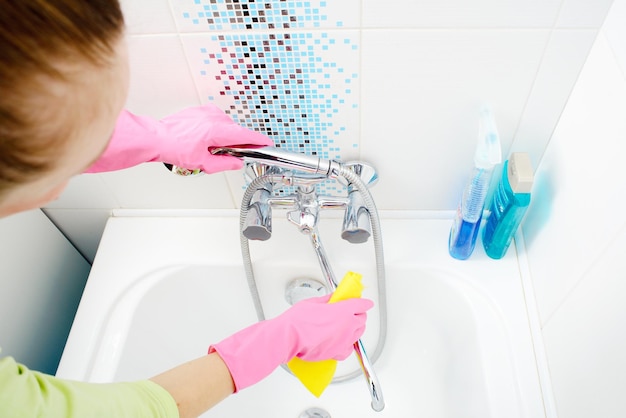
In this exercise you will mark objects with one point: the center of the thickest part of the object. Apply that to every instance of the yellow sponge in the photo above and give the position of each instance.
(317, 375)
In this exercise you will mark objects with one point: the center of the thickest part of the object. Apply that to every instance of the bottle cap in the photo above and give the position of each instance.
(520, 172)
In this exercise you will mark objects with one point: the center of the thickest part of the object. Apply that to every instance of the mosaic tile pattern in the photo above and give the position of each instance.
(238, 15)
(200, 15)
(296, 86)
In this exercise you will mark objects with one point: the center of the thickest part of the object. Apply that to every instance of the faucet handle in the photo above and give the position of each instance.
(356, 227)
(368, 173)
(258, 221)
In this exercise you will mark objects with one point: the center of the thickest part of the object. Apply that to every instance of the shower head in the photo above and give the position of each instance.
(282, 158)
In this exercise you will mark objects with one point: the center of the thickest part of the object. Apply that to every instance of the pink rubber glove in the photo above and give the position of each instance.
(181, 139)
(311, 330)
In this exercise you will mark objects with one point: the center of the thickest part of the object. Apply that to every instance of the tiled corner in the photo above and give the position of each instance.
(160, 81)
(563, 58)
(580, 14)
(585, 342)
(421, 95)
(148, 16)
(579, 190)
(460, 13)
(615, 31)
(229, 15)
(82, 227)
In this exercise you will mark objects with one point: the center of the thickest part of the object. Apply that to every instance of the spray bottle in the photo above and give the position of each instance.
(470, 210)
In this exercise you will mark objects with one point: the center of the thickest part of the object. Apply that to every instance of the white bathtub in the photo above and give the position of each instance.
(162, 289)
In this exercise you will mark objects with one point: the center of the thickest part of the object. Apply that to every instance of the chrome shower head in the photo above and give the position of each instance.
(281, 158)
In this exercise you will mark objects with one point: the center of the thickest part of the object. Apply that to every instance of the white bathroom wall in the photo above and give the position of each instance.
(397, 83)
(42, 280)
(576, 236)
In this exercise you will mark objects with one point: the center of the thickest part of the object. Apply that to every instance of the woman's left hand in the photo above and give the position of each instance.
(181, 139)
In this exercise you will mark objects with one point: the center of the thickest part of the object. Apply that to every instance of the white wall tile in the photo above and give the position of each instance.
(583, 13)
(460, 13)
(578, 190)
(421, 93)
(211, 16)
(615, 31)
(148, 16)
(563, 58)
(160, 81)
(152, 186)
(586, 342)
(85, 191)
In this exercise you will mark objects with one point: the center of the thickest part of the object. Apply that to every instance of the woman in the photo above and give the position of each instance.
(63, 83)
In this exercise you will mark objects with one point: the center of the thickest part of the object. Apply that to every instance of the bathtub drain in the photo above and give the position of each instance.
(314, 413)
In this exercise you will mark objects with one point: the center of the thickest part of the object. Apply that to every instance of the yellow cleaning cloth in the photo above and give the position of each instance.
(317, 375)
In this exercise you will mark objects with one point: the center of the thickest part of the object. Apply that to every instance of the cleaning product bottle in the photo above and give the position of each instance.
(508, 205)
(469, 213)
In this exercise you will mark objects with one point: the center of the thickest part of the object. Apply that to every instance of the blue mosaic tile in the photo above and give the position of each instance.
(277, 79)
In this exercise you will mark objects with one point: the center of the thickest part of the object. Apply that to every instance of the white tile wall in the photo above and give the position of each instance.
(614, 31)
(161, 82)
(565, 53)
(148, 16)
(585, 340)
(576, 236)
(456, 14)
(579, 188)
(421, 92)
(404, 80)
(583, 13)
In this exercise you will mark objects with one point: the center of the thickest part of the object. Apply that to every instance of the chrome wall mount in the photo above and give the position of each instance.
(268, 169)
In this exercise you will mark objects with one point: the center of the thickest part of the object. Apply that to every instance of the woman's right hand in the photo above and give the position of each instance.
(312, 330)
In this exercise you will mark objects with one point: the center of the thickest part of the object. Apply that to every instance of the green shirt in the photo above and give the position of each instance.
(28, 394)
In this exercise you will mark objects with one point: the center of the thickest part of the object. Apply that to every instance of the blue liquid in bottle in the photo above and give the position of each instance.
(464, 230)
(508, 206)
(463, 238)
(466, 224)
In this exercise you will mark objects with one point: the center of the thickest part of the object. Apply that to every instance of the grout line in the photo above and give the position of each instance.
(170, 7)
(614, 54)
(189, 69)
(356, 29)
(173, 213)
(597, 258)
(179, 34)
(532, 90)
(386, 214)
(360, 86)
(534, 323)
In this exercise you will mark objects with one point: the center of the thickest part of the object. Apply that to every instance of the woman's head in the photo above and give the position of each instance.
(63, 81)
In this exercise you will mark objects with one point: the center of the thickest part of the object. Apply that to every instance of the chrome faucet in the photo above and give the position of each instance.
(268, 168)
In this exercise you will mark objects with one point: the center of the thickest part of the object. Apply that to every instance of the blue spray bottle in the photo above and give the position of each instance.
(470, 210)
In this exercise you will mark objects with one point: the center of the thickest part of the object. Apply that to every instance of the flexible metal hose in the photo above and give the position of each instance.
(368, 200)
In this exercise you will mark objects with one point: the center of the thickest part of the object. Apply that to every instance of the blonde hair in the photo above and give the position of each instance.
(40, 41)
